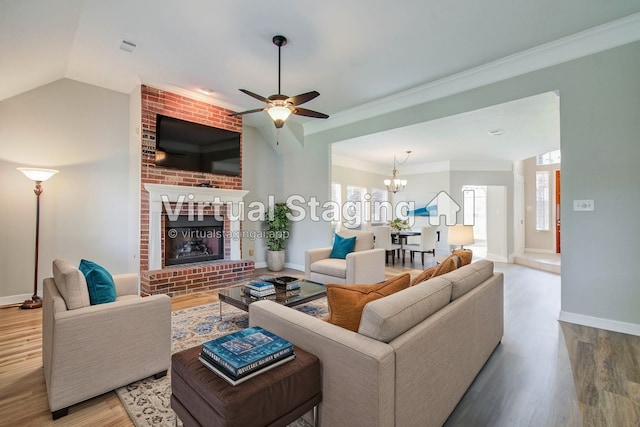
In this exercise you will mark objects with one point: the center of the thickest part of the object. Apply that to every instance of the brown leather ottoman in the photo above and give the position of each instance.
(274, 398)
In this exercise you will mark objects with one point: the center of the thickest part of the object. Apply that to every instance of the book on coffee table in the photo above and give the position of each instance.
(284, 282)
(214, 367)
(247, 350)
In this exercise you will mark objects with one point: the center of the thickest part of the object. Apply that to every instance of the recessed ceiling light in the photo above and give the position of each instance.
(128, 45)
(206, 91)
(495, 132)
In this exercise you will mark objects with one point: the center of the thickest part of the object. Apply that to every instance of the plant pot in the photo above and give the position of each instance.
(275, 260)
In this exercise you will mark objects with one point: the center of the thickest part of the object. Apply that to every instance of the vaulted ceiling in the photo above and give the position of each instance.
(356, 53)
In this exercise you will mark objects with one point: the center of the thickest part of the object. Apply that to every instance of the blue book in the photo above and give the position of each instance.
(260, 286)
(246, 350)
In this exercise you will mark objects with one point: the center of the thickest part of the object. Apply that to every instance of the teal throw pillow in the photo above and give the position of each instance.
(342, 246)
(102, 288)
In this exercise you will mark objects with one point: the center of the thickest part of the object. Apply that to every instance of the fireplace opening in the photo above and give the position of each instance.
(188, 241)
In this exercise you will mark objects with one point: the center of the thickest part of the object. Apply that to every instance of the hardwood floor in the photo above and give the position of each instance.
(545, 373)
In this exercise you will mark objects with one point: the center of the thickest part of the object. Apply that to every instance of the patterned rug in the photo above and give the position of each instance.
(148, 401)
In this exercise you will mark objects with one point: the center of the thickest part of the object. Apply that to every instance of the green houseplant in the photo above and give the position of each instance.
(399, 224)
(278, 231)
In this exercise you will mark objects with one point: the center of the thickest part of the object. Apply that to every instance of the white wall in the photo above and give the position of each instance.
(82, 131)
(497, 214)
(599, 137)
(260, 176)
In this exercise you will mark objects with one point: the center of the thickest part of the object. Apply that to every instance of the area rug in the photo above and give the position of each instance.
(148, 401)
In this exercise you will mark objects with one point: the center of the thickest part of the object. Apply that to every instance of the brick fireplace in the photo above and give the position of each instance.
(162, 187)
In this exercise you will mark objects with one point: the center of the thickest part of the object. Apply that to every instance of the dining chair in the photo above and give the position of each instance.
(428, 239)
(382, 240)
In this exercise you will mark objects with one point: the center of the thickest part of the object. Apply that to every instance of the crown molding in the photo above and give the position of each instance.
(357, 164)
(191, 94)
(588, 42)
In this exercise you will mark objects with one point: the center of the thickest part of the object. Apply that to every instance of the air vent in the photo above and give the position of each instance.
(128, 45)
(495, 132)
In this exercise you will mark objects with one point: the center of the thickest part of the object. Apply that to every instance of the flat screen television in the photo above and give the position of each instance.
(194, 147)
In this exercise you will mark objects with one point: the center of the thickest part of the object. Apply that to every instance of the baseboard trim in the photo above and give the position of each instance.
(260, 264)
(14, 299)
(294, 266)
(539, 251)
(600, 323)
(497, 258)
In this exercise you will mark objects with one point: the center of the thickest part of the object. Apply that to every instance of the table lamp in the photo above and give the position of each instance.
(460, 235)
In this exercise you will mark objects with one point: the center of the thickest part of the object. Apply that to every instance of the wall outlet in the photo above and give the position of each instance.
(250, 252)
(583, 205)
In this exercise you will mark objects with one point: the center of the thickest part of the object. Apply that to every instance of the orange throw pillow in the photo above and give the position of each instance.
(449, 264)
(465, 256)
(346, 302)
(425, 275)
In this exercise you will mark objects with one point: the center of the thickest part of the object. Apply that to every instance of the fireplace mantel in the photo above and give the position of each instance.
(159, 193)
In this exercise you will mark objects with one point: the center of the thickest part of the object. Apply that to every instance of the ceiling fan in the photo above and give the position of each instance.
(280, 106)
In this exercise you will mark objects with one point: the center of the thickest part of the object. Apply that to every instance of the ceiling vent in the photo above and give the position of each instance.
(128, 45)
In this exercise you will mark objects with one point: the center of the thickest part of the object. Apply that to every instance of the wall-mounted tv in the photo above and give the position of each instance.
(194, 147)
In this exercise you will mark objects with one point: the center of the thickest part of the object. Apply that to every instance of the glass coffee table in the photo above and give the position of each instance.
(308, 291)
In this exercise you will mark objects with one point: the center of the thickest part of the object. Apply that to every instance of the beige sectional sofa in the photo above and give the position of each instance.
(414, 356)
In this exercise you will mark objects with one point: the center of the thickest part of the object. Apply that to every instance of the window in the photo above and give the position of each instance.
(380, 207)
(336, 193)
(336, 198)
(550, 158)
(542, 201)
(353, 213)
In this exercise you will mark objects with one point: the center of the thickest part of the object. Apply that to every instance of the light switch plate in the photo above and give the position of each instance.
(583, 205)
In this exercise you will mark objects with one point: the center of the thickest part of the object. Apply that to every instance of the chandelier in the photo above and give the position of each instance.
(395, 184)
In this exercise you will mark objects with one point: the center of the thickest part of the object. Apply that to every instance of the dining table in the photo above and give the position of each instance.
(400, 237)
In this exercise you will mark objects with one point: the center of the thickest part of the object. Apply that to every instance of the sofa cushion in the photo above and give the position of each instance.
(347, 301)
(468, 277)
(330, 267)
(342, 246)
(364, 239)
(71, 284)
(102, 288)
(389, 317)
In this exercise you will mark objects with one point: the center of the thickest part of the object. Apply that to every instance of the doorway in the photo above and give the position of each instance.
(485, 207)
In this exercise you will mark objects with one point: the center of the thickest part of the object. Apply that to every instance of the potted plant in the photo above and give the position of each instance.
(278, 230)
(399, 224)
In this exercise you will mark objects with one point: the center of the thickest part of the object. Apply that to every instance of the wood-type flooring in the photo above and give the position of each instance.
(544, 373)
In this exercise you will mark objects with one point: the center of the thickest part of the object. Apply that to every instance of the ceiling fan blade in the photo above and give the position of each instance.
(302, 98)
(255, 95)
(309, 113)
(247, 112)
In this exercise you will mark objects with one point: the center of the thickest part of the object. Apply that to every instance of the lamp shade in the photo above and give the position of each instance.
(279, 113)
(38, 175)
(460, 235)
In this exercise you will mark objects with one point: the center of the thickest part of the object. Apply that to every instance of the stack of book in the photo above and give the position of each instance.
(244, 354)
(285, 282)
(260, 289)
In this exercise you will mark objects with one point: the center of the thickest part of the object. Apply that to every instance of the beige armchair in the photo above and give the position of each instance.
(364, 265)
(88, 350)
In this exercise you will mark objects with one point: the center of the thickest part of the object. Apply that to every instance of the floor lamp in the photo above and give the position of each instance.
(39, 176)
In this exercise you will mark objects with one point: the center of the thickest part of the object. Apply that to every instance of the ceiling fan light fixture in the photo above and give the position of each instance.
(280, 106)
(279, 115)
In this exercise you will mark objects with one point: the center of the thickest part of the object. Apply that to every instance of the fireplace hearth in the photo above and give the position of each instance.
(192, 240)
